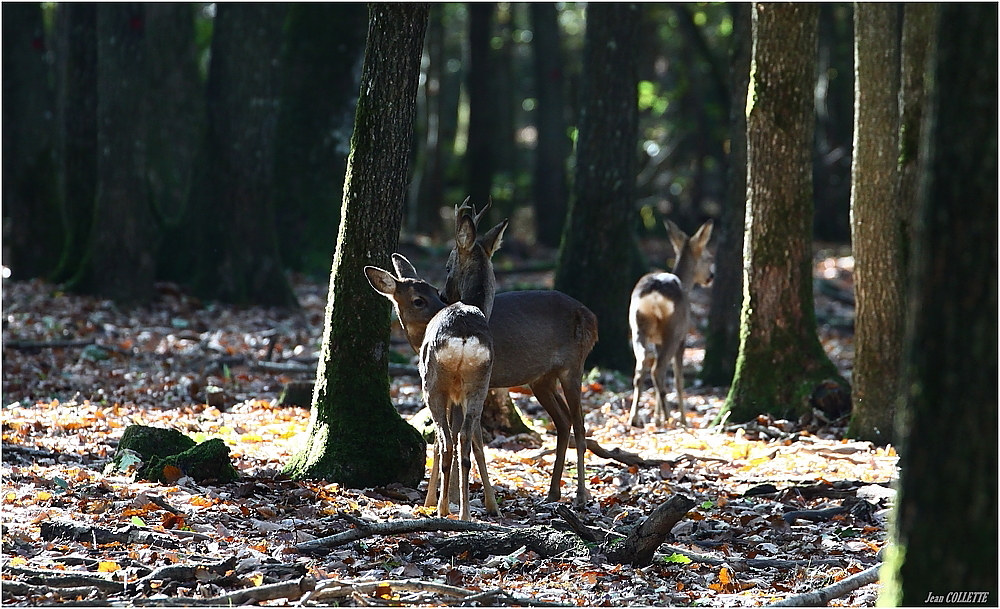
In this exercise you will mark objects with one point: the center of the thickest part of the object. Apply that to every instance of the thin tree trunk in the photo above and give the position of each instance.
(877, 223)
(722, 339)
(427, 190)
(597, 262)
(945, 527)
(76, 128)
(239, 260)
(781, 362)
(549, 188)
(480, 160)
(355, 435)
(30, 234)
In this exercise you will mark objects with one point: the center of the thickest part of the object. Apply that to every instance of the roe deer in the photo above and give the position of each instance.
(659, 317)
(540, 339)
(456, 359)
(470, 265)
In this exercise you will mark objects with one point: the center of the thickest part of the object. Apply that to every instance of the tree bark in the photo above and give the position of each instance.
(549, 188)
(722, 339)
(119, 263)
(355, 436)
(324, 48)
(914, 59)
(76, 128)
(876, 223)
(781, 361)
(480, 160)
(598, 258)
(945, 528)
(238, 253)
(29, 195)
(177, 101)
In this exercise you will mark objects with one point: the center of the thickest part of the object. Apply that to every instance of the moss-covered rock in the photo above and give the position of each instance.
(159, 448)
(208, 461)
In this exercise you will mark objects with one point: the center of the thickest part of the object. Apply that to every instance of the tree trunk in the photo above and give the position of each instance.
(119, 263)
(480, 160)
(177, 101)
(501, 416)
(427, 189)
(355, 436)
(876, 223)
(781, 362)
(722, 340)
(324, 47)
(30, 206)
(945, 527)
(549, 188)
(597, 261)
(914, 58)
(239, 259)
(76, 128)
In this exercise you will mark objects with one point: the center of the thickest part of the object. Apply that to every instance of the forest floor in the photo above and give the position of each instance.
(77, 371)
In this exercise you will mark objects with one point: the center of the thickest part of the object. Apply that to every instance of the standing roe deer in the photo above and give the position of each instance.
(659, 317)
(456, 360)
(540, 339)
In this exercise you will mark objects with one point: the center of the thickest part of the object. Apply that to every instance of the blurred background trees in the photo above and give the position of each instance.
(497, 116)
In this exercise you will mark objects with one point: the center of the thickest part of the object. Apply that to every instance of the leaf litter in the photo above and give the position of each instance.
(782, 507)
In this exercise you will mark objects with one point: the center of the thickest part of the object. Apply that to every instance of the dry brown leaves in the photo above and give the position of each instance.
(65, 408)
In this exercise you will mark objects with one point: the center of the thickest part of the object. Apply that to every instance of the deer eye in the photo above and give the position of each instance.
(419, 302)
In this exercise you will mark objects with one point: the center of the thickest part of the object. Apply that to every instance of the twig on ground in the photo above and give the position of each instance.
(48, 344)
(397, 527)
(821, 597)
(53, 578)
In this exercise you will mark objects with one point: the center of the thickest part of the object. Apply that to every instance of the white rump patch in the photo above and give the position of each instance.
(458, 353)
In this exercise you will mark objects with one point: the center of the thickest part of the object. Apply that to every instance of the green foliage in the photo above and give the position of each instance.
(677, 558)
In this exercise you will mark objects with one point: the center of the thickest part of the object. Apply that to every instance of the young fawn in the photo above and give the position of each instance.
(456, 360)
(659, 317)
(540, 339)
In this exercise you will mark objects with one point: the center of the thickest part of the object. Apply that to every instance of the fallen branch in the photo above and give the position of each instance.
(364, 529)
(181, 573)
(48, 344)
(751, 563)
(13, 588)
(814, 515)
(821, 597)
(630, 459)
(56, 529)
(53, 578)
(639, 547)
(334, 589)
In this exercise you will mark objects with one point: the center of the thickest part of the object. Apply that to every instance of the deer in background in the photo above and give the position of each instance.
(541, 338)
(660, 315)
(470, 265)
(456, 361)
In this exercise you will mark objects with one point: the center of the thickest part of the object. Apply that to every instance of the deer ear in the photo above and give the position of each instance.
(383, 281)
(465, 233)
(403, 267)
(700, 238)
(494, 238)
(677, 237)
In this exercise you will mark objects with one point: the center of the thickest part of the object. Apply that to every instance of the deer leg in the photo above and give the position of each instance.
(659, 374)
(679, 382)
(545, 393)
(571, 389)
(432, 483)
(643, 361)
(489, 497)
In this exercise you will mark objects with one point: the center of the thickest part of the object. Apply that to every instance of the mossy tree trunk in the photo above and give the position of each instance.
(876, 223)
(76, 128)
(30, 205)
(355, 436)
(914, 58)
(119, 261)
(549, 187)
(324, 47)
(781, 361)
(238, 246)
(945, 527)
(598, 258)
(177, 101)
(722, 339)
